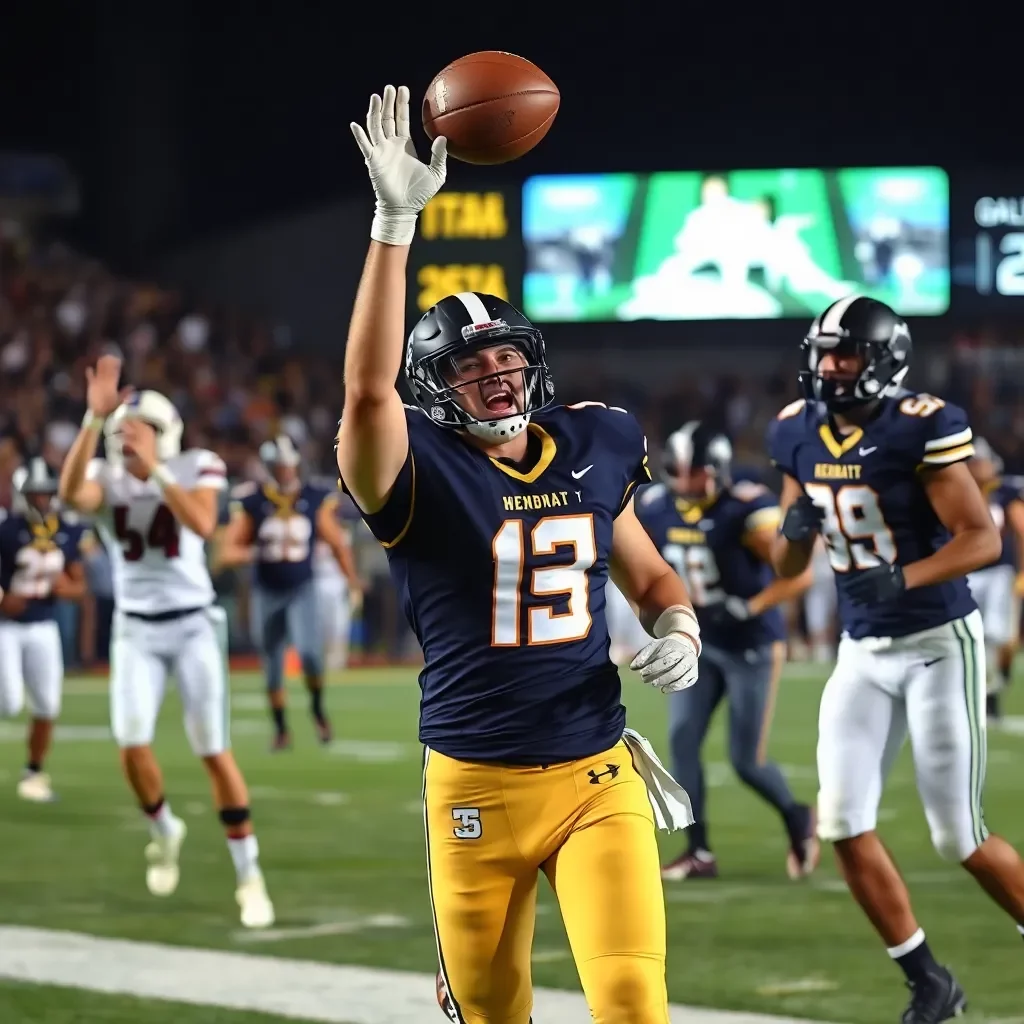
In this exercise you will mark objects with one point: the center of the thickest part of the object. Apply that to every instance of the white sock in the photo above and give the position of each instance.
(163, 823)
(909, 946)
(245, 854)
(1020, 928)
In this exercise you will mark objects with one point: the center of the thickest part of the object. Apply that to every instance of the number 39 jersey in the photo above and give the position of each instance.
(876, 510)
(501, 570)
(157, 564)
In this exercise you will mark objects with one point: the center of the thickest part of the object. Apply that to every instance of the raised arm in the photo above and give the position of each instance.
(102, 397)
(373, 441)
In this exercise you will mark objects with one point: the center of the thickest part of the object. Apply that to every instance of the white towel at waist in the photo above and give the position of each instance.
(671, 805)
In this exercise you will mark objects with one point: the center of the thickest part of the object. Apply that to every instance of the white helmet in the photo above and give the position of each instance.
(154, 409)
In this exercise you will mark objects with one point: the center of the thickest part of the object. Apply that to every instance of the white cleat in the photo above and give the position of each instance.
(35, 787)
(252, 898)
(162, 854)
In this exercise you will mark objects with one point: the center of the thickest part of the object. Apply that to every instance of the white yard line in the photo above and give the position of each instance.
(298, 989)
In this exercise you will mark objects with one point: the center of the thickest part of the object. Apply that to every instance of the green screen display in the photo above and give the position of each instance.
(744, 244)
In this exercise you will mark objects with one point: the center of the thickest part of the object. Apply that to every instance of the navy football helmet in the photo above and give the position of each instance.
(281, 458)
(855, 326)
(461, 324)
(36, 487)
(697, 445)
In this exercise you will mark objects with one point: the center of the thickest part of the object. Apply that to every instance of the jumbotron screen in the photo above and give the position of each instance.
(690, 245)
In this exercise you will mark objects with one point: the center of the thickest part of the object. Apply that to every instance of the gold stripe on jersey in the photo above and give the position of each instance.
(838, 447)
(948, 456)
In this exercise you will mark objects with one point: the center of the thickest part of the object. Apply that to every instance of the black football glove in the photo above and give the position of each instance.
(803, 520)
(873, 586)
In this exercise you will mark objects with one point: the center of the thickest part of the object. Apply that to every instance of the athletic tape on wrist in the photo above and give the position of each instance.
(678, 619)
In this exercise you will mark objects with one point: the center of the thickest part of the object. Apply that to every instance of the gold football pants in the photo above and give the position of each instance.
(588, 826)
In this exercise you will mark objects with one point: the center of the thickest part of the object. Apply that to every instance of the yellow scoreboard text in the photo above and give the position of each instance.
(436, 281)
(453, 215)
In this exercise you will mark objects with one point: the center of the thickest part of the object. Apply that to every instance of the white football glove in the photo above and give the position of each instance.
(669, 663)
(737, 608)
(402, 182)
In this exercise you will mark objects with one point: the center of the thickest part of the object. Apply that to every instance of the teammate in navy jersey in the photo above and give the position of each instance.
(40, 563)
(274, 528)
(502, 517)
(717, 534)
(881, 473)
(997, 587)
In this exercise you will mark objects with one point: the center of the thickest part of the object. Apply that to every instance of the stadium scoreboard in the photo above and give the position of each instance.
(468, 241)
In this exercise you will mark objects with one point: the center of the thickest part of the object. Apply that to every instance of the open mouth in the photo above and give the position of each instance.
(501, 403)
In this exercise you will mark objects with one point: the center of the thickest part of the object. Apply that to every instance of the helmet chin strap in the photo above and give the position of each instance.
(501, 430)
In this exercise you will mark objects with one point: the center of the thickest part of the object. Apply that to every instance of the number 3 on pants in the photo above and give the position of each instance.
(470, 827)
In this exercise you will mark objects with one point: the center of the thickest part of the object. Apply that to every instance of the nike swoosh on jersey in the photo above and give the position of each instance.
(868, 451)
(582, 472)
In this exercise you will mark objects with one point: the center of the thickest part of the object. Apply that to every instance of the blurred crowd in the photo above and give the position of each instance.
(237, 381)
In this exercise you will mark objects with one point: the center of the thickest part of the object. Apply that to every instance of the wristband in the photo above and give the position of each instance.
(90, 421)
(394, 226)
(163, 476)
(678, 619)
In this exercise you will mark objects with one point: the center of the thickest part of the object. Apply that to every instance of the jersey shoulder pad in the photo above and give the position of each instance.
(618, 425)
(750, 492)
(941, 431)
(207, 468)
(785, 432)
(651, 495)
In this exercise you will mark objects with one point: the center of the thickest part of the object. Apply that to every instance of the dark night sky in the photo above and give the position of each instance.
(185, 118)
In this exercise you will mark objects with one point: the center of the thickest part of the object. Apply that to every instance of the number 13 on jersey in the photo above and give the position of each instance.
(513, 582)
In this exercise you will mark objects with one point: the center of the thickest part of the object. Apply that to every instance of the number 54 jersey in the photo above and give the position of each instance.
(869, 485)
(157, 564)
(501, 569)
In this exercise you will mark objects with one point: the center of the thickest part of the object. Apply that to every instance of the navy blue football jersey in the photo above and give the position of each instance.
(501, 571)
(1000, 496)
(876, 509)
(284, 531)
(33, 555)
(705, 543)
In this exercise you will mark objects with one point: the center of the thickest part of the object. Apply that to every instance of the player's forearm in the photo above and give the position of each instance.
(791, 558)
(779, 591)
(71, 588)
(231, 556)
(665, 591)
(76, 463)
(376, 336)
(969, 550)
(189, 510)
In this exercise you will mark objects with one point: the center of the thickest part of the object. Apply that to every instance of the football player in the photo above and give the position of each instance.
(274, 528)
(995, 586)
(881, 473)
(336, 598)
(155, 507)
(502, 517)
(717, 534)
(40, 563)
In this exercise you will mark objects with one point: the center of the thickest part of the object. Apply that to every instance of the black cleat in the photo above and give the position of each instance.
(934, 998)
(324, 732)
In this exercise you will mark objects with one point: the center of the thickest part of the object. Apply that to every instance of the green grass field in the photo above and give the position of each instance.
(342, 848)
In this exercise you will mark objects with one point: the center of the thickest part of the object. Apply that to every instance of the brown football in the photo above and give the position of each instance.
(491, 106)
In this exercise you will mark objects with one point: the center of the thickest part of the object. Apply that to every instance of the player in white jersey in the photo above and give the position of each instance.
(155, 507)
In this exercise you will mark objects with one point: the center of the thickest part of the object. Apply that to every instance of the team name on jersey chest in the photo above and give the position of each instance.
(537, 502)
(837, 471)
